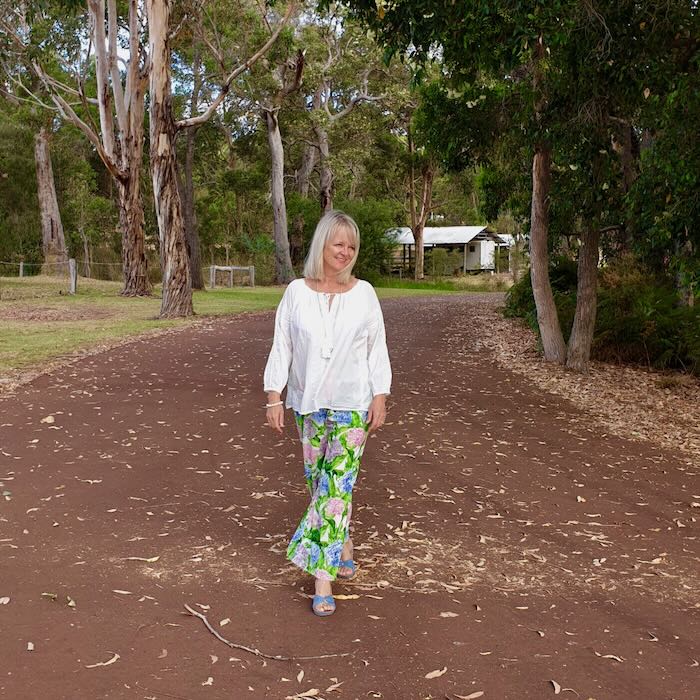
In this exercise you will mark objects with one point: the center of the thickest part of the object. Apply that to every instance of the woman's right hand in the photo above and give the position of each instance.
(275, 417)
(275, 414)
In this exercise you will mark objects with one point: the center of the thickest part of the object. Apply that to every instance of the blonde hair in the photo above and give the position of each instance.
(326, 228)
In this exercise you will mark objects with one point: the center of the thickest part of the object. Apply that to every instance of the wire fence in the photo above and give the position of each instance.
(30, 280)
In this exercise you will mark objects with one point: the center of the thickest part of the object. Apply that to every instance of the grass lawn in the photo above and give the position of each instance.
(40, 322)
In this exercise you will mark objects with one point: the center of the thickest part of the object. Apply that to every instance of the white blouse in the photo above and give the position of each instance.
(329, 358)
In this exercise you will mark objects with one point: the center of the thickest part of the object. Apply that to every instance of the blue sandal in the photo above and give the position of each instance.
(318, 600)
(348, 564)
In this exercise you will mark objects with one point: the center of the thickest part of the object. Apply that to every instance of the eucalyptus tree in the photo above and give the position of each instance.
(53, 240)
(52, 235)
(344, 69)
(76, 56)
(177, 284)
(286, 78)
(212, 37)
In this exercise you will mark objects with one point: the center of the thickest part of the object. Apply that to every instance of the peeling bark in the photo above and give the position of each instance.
(177, 285)
(131, 222)
(52, 237)
(122, 141)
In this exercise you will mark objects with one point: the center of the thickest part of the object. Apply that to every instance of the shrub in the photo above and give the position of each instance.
(638, 319)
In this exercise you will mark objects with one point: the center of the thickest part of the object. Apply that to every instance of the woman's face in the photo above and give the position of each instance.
(339, 251)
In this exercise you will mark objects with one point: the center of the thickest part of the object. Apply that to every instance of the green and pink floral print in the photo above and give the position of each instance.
(332, 443)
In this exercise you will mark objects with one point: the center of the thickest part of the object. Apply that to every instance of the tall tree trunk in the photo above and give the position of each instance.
(326, 180)
(177, 285)
(308, 163)
(86, 254)
(52, 237)
(547, 319)
(419, 258)
(581, 338)
(284, 272)
(427, 176)
(131, 222)
(419, 217)
(131, 215)
(186, 183)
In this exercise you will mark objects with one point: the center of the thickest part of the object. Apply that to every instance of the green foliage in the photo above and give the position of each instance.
(639, 318)
(261, 253)
(20, 232)
(664, 201)
(374, 218)
(440, 262)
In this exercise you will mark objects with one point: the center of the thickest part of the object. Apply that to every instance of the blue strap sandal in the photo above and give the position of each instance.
(348, 564)
(318, 600)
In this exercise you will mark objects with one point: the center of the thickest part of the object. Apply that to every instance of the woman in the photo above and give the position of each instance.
(329, 350)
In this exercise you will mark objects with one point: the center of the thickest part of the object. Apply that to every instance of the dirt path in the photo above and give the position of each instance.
(500, 535)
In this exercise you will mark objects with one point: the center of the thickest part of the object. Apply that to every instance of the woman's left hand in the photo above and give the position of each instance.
(377, 412)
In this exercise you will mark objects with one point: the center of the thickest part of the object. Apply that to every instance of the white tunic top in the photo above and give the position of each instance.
(329, 358)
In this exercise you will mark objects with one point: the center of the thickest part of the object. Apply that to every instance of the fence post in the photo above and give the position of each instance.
(212, 276)
(251, 273)
(21, 269)
(230, 277)
(73, 272)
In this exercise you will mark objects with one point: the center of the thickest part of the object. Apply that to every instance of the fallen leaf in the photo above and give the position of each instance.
(472, 696)
(4, 600)
(436, 673)
(226, 620)
(209, 681)
(557, 687)
(349, 596)
(311, 693)
(449, 614)
(150, 560)
(30, 646)
(115, 657)
(163, 654)
(300, 676)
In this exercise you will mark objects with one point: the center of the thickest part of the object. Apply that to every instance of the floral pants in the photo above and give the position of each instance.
(333, 443)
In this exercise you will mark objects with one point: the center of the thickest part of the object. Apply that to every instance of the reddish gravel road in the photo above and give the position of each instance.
(505, 543)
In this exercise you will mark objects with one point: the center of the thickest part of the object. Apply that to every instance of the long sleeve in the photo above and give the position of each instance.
(377, 352)
(280, 357)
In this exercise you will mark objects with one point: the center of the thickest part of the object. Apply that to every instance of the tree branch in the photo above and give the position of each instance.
(206, 115)
(69, 114)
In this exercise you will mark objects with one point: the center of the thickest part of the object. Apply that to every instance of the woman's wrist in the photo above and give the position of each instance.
(274, 398)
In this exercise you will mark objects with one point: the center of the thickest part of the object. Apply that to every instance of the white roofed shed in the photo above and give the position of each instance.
(477, 243)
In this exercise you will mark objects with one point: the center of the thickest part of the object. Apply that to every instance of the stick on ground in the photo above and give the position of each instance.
(256, 652)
